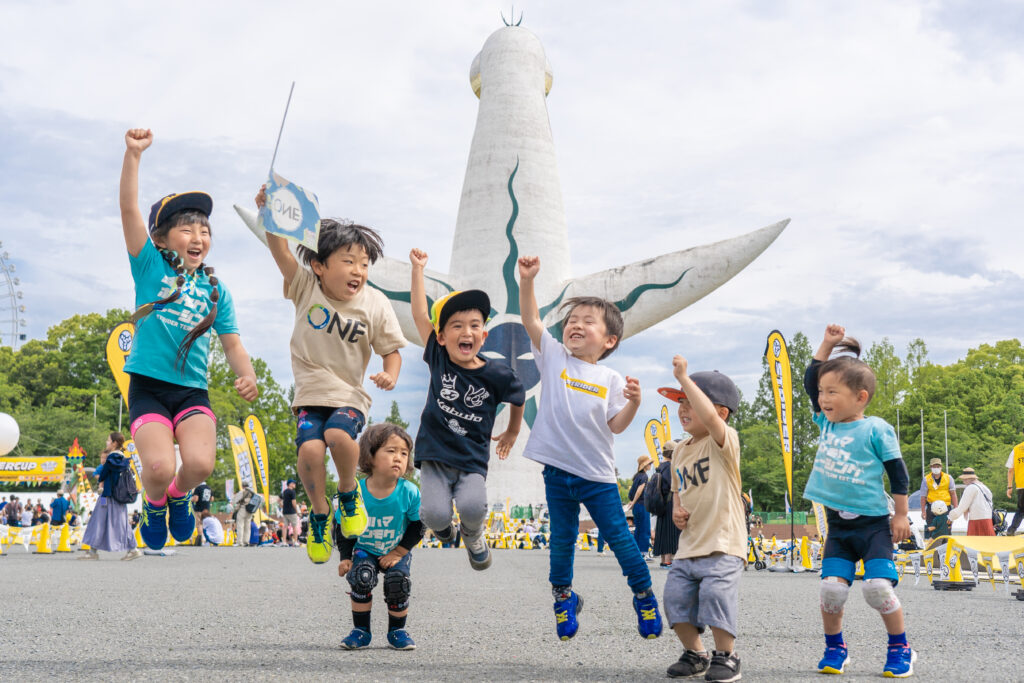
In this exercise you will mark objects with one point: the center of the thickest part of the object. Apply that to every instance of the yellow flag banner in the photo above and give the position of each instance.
(119, 345)
(41, 469)
(666, 425)
(653, 440)
(258, 448)
(134, 461)
(782, 391)
(243, 459)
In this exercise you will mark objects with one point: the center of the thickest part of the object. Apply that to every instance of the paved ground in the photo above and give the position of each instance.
(261, 613)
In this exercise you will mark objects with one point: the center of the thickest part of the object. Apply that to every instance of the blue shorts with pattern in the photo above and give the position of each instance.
(313, 421)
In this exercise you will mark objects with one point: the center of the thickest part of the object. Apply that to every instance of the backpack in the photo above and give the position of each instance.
(125, 491)
(255, 501)
(654, 501)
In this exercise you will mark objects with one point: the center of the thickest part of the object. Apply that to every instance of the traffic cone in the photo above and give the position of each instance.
(43, 545)
(805, 554)
(138, 538)
(64, 544)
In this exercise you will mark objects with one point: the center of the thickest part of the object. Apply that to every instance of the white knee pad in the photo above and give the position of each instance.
(833, 595)
(879, 594)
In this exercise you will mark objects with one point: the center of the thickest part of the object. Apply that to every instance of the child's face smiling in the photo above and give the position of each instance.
(839, 402)
(391, 460)
(343, 274)
(585, 334)
(191, 242)
(463, 336)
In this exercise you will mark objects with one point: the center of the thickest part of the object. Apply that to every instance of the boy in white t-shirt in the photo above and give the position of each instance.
(582, 406)
(339, 324)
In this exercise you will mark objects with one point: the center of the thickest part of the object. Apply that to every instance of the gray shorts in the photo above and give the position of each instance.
(704, 591)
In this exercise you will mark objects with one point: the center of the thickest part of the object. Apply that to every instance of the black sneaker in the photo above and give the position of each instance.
(725, 667)
(690, 665)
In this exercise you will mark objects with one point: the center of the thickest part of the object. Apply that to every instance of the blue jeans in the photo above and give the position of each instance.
(564, 493)
(641, 527)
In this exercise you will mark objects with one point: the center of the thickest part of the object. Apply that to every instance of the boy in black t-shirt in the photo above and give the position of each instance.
(453, 443)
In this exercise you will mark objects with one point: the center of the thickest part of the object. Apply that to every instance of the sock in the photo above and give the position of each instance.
(174, 492)
(395, 623)
(561, 593)
(157, 503)
(644, 594)
(834, 640)
(361, 620)
(898, 639)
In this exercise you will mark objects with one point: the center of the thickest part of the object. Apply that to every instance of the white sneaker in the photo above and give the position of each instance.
(602, 553)
(132, 554)
(479, 553)
(90, 555)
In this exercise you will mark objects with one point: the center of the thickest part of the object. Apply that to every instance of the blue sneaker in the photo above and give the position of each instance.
(566, 610)
(648, 618)
(834, 661)
(153, 525)
(399, 639)
(899, 662)
(356, 640)
(180, 521)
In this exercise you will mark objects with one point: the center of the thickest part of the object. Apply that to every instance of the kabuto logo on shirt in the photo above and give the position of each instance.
(320, 318)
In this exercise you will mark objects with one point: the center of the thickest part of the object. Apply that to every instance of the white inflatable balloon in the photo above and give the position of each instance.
(9, 433)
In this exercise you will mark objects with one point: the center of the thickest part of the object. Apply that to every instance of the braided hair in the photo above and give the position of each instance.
(187, 217)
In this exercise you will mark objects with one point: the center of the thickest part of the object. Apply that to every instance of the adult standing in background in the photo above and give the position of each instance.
(641, 518)
(936, 485)
(59, 509)
(292, 525)
(202, 496)
(1015, 479)
(976, 504)
(243, 518)
(666, 534)
(108, 527)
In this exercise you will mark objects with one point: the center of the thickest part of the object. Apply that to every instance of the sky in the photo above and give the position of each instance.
(888, 132)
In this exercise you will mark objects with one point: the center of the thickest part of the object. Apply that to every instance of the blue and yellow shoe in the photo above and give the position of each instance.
(648, 618)
(180, 520)
(399, 639)
(153, 525)
(566, 623)
(356, 640)
(350, 513)
(899, 662)
(318, 541)
(834, 660)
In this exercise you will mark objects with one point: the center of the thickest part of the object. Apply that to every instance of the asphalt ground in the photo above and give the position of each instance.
(261, 613)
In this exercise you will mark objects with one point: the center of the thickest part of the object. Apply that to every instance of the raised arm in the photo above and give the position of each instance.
(418, 295)
(136, 141)
(529, 266)
(283, 256)
(701, 404)
(833, 335)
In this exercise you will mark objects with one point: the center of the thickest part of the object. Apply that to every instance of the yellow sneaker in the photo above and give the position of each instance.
(350, 513)
(318, 542)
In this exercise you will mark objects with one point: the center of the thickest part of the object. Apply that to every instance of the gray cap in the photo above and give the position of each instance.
(716, 386)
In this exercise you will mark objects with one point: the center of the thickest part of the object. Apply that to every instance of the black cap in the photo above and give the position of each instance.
(467, 300)
(179, 201)
(717, 387)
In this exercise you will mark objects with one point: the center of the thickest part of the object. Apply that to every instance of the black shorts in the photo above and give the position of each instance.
(862, 538)
(154, 400)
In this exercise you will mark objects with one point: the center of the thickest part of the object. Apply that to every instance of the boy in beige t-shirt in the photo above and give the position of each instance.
(339, 324)
(702, 587)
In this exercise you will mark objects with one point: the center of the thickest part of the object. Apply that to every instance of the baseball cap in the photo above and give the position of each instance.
(465, 300)
(290, 481)
(716, 386)
(179, 201)
(934, 462)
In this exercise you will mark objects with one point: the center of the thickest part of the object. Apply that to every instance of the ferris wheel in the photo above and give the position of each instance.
(12, 311)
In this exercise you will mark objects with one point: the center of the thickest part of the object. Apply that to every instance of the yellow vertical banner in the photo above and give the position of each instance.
(134, 461)
(666, 424)
(258, 446)
(243, 459)
(119, 345)
(653, 441)
(782, 390)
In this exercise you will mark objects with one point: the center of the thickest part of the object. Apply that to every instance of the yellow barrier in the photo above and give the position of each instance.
(43, 544)
(64, 544)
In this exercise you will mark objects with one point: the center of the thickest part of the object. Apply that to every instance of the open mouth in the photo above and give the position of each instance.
(576, 336)
(353, 285)
(465, 347)
(195, 253)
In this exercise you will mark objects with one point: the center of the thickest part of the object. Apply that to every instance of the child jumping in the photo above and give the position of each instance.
(453, 443)
(702, 587)
(854, 452)
(178, 301)
(582, 406)
(338, 324)
(393, 530)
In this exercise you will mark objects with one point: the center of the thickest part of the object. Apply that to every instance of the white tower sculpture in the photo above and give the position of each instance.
(511, 205)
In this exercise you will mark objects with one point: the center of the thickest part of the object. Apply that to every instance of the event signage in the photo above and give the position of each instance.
(37, 469)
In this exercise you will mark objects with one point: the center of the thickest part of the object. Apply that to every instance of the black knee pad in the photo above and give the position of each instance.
(362, 577)
(397, 588)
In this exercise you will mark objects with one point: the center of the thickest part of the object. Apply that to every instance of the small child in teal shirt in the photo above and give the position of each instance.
(940, 522)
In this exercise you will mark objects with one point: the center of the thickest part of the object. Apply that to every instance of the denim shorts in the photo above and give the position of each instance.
(312, 421)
